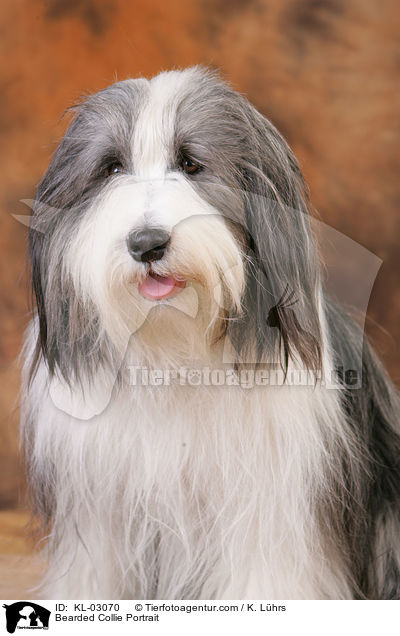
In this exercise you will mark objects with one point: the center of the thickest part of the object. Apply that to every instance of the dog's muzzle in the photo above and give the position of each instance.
(146, 246)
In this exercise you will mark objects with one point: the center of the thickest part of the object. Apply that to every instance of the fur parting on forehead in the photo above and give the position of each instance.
(154, 135)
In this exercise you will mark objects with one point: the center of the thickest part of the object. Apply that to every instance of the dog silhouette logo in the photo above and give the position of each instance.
(26, 615)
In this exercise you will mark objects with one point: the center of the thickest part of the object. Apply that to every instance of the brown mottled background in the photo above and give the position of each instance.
(326, 72)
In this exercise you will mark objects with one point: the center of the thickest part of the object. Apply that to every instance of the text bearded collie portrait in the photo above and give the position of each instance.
(172, 232)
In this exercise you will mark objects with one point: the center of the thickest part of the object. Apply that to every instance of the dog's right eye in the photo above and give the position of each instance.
(190, 166)
(113, 168)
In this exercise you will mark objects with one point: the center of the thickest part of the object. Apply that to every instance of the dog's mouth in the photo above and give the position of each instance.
(157, 287)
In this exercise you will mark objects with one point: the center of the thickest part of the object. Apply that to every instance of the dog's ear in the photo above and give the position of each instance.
(54, 201)
(59, 203)
(98, 136)
(35, 251)
(281, 301)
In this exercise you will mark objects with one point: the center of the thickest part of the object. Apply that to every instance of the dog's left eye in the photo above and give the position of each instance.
(113, 168)
(189, 165)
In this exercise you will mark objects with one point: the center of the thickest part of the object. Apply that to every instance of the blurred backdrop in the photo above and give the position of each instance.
(326, 72)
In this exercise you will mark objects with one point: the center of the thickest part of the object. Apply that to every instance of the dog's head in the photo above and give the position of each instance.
(172, 207)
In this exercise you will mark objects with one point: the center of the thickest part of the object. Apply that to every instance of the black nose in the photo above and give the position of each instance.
(147, 245)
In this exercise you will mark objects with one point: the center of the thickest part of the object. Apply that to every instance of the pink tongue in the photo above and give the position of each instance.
(155, 287)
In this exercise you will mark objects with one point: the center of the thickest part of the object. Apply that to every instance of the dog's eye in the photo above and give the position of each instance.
(189, 165)
(113, 168)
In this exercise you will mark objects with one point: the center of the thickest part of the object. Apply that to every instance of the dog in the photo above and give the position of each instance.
(172, 256)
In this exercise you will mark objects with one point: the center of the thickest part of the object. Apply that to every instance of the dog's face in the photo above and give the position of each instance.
(150, 233)
(171, 203)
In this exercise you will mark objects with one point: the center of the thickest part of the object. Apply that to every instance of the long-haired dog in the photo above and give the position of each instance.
(172, 255)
